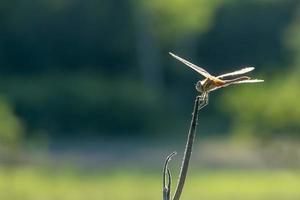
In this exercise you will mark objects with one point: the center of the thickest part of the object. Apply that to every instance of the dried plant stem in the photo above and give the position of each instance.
(167, 175)
(199, 103)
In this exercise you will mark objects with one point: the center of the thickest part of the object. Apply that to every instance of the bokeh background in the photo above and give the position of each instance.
(91, 102)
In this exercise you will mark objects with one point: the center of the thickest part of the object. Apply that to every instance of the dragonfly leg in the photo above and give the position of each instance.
(203, 100)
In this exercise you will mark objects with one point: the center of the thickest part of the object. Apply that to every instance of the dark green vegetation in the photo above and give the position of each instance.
(101, 67)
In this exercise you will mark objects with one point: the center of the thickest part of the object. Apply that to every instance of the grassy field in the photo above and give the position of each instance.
(40, 184)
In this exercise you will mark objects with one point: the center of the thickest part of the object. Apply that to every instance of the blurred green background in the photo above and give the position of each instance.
(91, 102)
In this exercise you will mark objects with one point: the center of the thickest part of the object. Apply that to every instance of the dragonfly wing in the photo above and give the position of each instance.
(241, 71)
(249, 81)
(198, 69)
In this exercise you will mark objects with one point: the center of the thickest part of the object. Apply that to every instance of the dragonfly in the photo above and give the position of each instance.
(211, 83)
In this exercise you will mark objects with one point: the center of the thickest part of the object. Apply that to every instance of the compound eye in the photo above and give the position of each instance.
(199, 86)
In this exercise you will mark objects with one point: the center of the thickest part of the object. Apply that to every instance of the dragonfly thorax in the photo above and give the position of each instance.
(205, 85)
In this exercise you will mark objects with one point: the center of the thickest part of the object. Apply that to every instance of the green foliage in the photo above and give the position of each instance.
(292, 39)
(176, 19)
(77, 67)
(11, 128)
(36, 184)
(270, 109)
(265, 109)
(87, 103)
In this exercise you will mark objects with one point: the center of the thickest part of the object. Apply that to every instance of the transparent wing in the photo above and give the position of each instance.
(198, 69)
(238, 82)
(241, 71)
(248, 81)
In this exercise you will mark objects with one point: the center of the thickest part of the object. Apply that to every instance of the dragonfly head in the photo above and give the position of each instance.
(199, 86)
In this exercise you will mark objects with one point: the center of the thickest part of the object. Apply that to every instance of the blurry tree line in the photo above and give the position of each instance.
(74, 68)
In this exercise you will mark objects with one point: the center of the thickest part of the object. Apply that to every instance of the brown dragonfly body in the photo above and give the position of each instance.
(211, 82)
